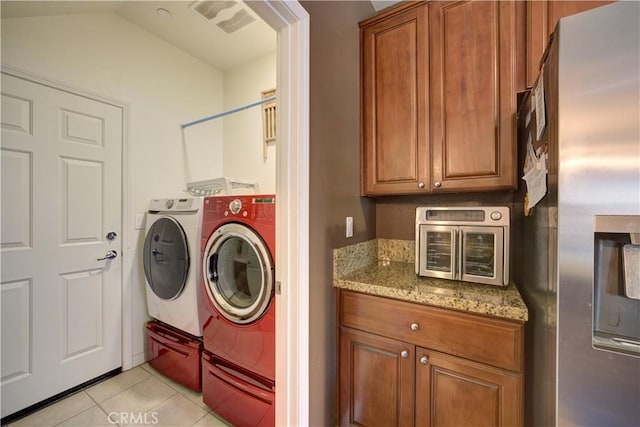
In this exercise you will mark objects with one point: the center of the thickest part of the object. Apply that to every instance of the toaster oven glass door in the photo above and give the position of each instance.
(438, 251)
(481, 254)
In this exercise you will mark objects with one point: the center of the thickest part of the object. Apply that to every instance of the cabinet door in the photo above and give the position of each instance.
(451, 391)
(542, 17)
(376, 377)
(395, 149)
(473, 97)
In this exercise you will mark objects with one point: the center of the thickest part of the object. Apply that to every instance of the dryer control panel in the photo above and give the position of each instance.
(260, 207)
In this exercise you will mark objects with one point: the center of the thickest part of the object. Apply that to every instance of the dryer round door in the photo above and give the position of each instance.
(166, 258)
(238, 271)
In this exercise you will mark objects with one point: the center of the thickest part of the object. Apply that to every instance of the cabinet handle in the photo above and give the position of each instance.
(424, 360)
(415, 327)
(404, 354)
(437, 184)
(421, 185)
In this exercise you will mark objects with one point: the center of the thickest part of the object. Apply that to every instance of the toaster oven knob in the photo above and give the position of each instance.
(424, 360)
(495, 215)
(437, 184)
(415, 327)
(404, 354)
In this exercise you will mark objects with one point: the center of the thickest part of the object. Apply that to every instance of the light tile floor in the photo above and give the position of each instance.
(138, 397)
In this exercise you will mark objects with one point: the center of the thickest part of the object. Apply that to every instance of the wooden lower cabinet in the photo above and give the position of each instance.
(376, 380)
(451, 391)
(384, 381)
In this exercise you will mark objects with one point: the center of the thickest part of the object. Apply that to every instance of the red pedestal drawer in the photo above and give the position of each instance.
(175, 354)
(235, 395)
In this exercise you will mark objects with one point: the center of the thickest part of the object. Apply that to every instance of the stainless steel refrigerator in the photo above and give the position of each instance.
(576, 252)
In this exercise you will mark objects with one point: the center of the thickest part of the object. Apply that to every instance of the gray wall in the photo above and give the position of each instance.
(334, 179)
(335, 183)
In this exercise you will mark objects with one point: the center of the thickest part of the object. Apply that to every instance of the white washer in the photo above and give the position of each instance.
(172, 260)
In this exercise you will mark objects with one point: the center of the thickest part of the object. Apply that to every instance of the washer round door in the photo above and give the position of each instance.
(238, 272)
(166, 258)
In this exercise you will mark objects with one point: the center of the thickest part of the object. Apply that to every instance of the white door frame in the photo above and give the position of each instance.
(291, 21)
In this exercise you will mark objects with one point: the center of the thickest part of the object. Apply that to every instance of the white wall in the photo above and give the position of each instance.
(162, 86)
(243, 147)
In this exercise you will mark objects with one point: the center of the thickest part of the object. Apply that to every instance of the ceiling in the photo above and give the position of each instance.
(176, 22)
(383, 4)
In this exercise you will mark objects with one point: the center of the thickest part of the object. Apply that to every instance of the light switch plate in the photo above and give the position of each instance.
(349, 224)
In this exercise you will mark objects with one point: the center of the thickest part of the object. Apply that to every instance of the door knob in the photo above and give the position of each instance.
(424, 360)
(415, 326)
(404, 354)
(109, 255)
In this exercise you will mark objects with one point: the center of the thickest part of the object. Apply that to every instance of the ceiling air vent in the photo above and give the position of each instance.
(218, 12)
(237, 21)
(210, 9)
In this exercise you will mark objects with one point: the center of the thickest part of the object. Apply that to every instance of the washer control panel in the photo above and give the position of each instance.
(173, 205)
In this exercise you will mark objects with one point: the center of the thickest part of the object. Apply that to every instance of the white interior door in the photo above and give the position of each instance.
(61, 194)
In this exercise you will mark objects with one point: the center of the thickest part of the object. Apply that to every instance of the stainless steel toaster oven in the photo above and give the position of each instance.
(463, 243)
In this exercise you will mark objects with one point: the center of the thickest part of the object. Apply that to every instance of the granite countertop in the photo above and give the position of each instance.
(386, 268)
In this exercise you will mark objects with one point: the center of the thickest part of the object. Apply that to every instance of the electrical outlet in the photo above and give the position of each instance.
(349, 232)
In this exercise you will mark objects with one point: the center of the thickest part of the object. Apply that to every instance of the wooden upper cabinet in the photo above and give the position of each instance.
(473, 94)
(395, 149)
(542, 17)
(439, 97)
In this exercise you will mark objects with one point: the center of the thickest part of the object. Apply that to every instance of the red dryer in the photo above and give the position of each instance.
(237, 308)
